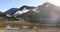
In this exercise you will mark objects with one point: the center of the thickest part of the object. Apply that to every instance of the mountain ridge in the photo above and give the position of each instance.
(46, 10)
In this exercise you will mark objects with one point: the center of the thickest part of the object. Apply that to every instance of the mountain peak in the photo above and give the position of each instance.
(27, 7)
(48, 3)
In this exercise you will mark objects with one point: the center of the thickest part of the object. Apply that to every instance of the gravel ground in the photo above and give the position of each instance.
(33, 30)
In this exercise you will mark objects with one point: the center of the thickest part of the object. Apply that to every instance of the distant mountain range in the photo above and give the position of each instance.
(11, 11)
(46, 13)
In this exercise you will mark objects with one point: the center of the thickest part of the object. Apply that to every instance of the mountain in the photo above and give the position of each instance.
(43, 14)
(49, 13)
(30, 16)
(23, 9)
(18, 11)
(14, 10)
(11, 11)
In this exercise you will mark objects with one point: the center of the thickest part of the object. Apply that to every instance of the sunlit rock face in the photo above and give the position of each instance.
(49, 13)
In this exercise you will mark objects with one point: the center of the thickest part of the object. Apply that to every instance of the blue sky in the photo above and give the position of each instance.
(7, 4)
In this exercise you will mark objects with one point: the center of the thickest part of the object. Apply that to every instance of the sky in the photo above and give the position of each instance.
(7, 4)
